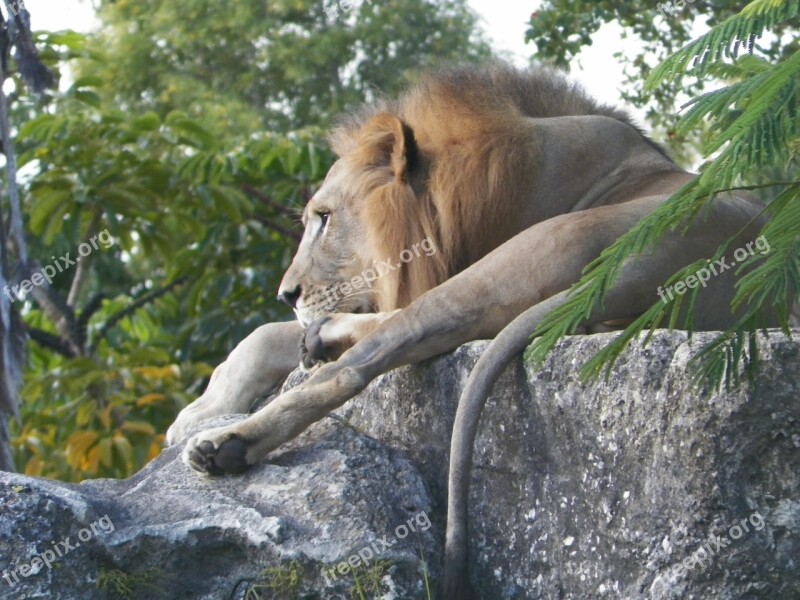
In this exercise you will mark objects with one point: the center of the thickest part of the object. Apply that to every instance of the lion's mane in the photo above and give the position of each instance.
(451, 161)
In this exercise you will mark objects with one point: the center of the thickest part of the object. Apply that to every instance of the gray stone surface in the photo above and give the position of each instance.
(601, 491)
(579, 491)
(326, 497)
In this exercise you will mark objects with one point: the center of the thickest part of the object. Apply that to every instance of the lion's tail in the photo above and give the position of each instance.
(509, 343)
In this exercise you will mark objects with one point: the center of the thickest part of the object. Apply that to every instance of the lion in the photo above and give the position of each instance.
(518, 180)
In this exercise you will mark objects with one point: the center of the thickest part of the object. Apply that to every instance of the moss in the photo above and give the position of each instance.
(124, 585)
(281, 582)
(367, 580)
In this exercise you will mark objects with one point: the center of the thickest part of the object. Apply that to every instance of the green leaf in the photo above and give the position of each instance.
(149, 121)
(192, 132)
(86, 81)
(90, 98)
(47, 205)
(71, 39)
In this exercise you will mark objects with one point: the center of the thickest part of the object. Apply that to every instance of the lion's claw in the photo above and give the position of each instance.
(229, 458)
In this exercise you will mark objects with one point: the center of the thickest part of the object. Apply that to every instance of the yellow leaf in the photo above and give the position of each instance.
(153, 451)
(85, 413)
(139, 427)
(34, 466)
(77, 446)
(168, 372)
(90, 462)
(105, 416)
(104, 448)
(149, 399)
(80, 441)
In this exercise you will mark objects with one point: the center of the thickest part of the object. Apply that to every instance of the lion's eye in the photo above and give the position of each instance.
(323, 215)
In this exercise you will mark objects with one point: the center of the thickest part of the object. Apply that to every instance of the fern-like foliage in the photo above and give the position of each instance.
(754, 126)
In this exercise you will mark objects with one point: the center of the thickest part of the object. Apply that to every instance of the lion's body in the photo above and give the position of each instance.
(485, 176)
(517, 181)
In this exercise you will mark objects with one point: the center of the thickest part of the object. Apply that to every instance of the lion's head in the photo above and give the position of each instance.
(424, 186)
(371, 241)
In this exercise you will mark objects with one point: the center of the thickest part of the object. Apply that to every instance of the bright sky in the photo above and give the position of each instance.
(54, 15)
(505, 21)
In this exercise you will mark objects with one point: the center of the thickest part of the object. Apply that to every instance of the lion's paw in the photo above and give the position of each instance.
(217, 452)
(189, 419)
(183, 422)
(312, 347)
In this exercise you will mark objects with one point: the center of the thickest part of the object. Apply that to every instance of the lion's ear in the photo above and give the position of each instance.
(389, 142)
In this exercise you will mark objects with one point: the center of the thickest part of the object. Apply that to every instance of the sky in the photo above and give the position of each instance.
(53, 15)
(505, 22)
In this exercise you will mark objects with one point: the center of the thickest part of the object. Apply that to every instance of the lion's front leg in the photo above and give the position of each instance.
(326, 339)
(257, 365)
(235, 448)
(439, 321)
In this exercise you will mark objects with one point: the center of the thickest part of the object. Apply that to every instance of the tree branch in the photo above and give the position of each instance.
(92, 306)
(143, 300)
(267, 222)
(37, 77)
(82, 270)
(17, 33)
(267, 200)
(51, 341)
(60, 315)
(16, 230)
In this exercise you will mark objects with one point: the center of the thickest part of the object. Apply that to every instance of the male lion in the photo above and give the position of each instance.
(518, 179)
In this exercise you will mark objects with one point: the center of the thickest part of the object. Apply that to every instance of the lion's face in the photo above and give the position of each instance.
(326, 273)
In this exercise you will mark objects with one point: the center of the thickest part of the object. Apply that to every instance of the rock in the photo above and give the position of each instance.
(603, 490)
(636, 487)
(285, 529)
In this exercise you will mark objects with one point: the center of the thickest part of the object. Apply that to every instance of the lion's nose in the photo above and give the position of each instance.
(290, 297)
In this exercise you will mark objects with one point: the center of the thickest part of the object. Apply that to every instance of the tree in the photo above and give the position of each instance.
(15, 33)
(278, 65)
(191, 235)
(753, 126)
(561, 29)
